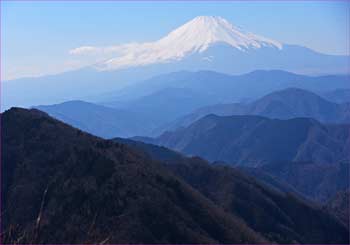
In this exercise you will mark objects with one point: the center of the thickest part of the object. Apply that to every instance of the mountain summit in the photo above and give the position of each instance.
(203, 31)
(213, 43)
(195, 36)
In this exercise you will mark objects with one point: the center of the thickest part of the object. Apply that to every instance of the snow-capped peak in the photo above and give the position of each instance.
(194, 36)
(199, 33)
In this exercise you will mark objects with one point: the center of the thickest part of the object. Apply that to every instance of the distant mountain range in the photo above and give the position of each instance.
(338, 95)
(284, 104)
(98, 120)
(139, 117)
(255, 140)
(224, 88)
(87, 190)
(215, 87)
(184, 95)
(184, 92)
(165, 105)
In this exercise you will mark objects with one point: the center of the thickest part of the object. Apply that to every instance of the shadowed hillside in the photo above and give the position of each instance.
(317, 181)
(340, 205)
(274, 210)
(61, 185)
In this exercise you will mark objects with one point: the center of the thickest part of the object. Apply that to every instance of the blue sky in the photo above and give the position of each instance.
(36, 36)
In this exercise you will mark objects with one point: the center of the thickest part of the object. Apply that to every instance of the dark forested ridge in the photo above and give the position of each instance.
(61, 185)
(318, 182)
(274, 209)
(280, 216)
(339, 206)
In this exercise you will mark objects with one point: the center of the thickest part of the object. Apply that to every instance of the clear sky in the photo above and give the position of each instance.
(36, 36)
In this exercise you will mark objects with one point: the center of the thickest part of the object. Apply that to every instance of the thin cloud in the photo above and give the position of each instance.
(84, 50)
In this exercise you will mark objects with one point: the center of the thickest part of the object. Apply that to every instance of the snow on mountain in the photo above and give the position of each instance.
(195, 36)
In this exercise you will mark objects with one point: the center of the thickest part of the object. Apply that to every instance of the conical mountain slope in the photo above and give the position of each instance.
(195, 36)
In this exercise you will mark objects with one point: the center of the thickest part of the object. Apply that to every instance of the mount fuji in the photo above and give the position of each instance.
(213, 43)
(194, 37)
(204, 43)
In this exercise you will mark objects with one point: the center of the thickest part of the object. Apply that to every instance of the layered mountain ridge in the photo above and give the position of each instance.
(255, 140)
(282, 104)
(140, 110)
